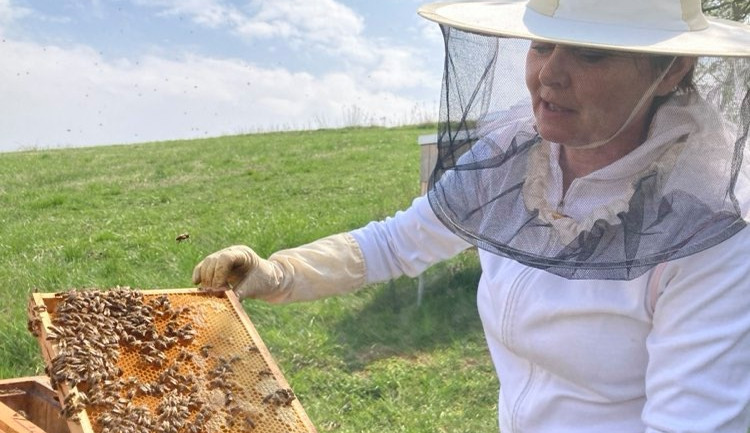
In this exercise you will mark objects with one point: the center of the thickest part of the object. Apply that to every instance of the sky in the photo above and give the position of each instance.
(98, 72)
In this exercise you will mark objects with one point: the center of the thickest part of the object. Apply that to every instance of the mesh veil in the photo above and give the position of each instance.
(496, 182)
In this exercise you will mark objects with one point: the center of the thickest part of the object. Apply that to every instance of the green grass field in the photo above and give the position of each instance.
(368, 362)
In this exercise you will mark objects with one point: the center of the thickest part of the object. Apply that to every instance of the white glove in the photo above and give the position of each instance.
(330, 266)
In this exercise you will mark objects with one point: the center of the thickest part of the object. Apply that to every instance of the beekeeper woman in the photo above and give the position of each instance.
(608, 203)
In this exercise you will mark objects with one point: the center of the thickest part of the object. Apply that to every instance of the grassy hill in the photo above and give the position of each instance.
(367, 362)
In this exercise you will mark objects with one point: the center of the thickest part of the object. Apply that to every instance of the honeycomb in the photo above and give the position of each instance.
(176, 361)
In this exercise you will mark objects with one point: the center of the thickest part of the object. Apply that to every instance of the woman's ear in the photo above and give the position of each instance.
(680, 67)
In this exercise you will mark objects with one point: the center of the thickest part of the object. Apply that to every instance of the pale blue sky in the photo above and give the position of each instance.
(86, 72)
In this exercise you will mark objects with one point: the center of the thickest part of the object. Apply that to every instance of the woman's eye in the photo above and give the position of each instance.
(542, 48)
(591, 56)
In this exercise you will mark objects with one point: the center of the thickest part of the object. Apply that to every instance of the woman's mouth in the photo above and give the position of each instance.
(549, 106)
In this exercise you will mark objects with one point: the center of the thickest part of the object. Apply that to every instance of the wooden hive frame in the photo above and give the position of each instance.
(225, 340)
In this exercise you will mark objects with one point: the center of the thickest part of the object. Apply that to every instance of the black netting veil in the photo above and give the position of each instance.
(499, 185)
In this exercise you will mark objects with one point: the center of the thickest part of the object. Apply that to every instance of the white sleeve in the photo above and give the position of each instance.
(698, 376)
(407, 243)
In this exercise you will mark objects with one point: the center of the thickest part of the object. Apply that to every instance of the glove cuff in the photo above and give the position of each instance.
(330, 266)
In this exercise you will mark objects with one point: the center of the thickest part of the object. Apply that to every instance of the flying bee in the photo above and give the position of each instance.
(182, 237)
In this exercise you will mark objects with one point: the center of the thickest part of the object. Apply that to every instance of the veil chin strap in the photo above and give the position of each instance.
(646, 96)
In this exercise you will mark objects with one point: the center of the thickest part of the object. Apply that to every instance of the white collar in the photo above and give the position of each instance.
(676, 122)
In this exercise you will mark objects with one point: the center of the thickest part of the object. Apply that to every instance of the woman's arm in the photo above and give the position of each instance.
(407, 243)
(698, 376)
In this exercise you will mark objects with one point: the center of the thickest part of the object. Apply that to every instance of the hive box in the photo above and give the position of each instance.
(29, 405)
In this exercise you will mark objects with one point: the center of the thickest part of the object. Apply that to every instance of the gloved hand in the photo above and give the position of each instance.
(227, 268)
(329, 266)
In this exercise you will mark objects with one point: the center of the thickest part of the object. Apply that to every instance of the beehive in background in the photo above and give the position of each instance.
(166, 361)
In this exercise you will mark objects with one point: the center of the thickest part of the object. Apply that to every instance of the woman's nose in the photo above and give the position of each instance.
(554, 71)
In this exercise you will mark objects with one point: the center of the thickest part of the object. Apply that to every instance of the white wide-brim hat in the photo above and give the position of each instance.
(676, 27)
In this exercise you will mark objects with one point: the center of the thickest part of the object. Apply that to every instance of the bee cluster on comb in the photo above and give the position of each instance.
(184, 361)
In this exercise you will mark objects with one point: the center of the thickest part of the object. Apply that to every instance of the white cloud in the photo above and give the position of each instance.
(209, 13)
(430, 32)
(10, 13)
(336, 30)
(73, 96)
(324, 26)
(327, 24)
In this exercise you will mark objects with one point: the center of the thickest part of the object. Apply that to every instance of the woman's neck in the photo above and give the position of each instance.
(576, 163)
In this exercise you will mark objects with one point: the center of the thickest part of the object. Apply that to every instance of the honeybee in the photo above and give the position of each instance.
(249, 422)
(34, 326)
(205, 350)
(182, 237)
(280, 397)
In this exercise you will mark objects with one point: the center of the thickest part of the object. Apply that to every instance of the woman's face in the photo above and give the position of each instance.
(582, 96)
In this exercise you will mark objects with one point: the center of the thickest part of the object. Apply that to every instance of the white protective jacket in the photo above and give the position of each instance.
(666, 352)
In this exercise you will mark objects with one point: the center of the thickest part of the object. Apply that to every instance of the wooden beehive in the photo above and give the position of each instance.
(428, 157)
(29, 405)
(164, 361)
